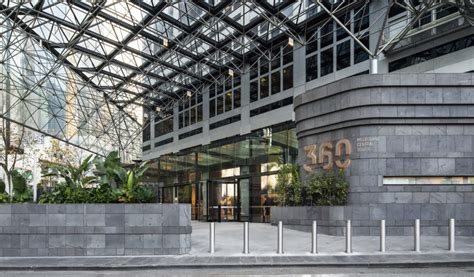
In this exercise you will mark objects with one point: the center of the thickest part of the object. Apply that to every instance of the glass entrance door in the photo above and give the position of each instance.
(223, 200)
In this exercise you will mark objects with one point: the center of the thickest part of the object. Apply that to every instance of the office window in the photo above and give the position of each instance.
(253, 91)
(212, 108)
(212, 90)
(164, 127)
(326, 62)
(287, 55)
(288, 77)
(237, 98)
(199, 113)
(343, 55)
(276, 87)
(264, 87)
(228, 101)
(264, 66)
(312, 45)
(327, 34)
(220, 104)
(360, 54)
(189, 109)
(311, 68)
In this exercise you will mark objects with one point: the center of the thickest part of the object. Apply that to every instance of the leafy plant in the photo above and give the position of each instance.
(132, 191)
(109, 170)
(2, 186)
(74, 176)
(327, 188)
(288, 188)
(21, 192)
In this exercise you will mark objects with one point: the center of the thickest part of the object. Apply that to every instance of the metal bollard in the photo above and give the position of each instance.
(451, 235)
(246, 238)
(314, 239)
(348, 237)
(280, 238)
(382, 235)
(417, 235)
(212, 237)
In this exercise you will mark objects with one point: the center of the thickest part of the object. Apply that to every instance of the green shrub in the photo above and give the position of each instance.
(326, 188)
(323, 188)
(288, 188)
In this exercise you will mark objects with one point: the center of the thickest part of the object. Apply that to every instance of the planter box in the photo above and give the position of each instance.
(94, 229)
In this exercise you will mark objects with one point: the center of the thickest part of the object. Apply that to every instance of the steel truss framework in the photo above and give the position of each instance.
(86, 72)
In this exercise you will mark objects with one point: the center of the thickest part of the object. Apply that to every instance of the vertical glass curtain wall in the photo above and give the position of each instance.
(251, 162)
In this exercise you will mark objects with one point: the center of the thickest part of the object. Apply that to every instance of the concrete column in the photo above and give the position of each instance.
(245, 126)
(299, 69)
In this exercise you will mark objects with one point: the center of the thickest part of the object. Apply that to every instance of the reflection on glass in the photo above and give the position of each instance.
(264, 87)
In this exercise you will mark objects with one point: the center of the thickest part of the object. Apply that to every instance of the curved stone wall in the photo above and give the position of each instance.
(399, 125)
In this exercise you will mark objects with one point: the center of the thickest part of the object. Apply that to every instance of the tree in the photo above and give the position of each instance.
(10, 149)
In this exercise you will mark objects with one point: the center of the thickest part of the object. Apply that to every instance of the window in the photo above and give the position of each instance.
(164, 127)
(326, 34)
(326, 62)
(212, 108)
(237, 98)
(276, 87)
(263, 87)
(311, 68)
(253, 91)
(312, 44)
(288, 77)
(360, 54)
(189, 110)
(343, 55)
(223, 102)
(432, 53)
(220, 104)
(228, 101)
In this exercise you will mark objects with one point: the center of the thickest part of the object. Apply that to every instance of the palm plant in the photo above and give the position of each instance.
(74, 176)
(109, 170)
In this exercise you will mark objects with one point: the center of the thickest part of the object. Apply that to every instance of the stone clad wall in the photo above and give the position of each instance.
(399, 125)
(94, 229)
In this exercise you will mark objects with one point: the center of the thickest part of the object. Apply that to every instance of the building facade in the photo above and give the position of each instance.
(221, 149)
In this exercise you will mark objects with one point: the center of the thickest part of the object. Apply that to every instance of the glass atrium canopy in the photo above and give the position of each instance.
(87, 72)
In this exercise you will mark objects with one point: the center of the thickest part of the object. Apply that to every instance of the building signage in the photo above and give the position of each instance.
(327, 155)
(367, 144)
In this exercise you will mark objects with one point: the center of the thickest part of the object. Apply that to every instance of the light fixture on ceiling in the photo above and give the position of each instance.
(231, 72)
(158, 109)
(189, 93)
(291, 42)
(165, 42)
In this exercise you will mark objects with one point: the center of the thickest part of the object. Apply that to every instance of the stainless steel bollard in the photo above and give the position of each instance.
(212, 238)
(452, 234)
(314, 239)
(417, 235)
(246, 238)
(382, 235)
(348, 237)
(280, 238)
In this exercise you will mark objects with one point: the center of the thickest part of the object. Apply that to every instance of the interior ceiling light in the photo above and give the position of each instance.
(165, 42)
(158, 109)
(231, 72)
(189, 93)
(291, 42)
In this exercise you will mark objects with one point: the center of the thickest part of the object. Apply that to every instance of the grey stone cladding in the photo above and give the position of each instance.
(418, 125)
(94, 229)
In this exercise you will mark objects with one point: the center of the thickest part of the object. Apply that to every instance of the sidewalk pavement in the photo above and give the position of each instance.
(399, 252)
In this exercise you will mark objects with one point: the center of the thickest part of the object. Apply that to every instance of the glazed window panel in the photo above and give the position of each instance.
(212, 108)
(288, 77)
(327, 34)
(276, 86)
(312, 68)
(228, 101)
(360, 54)
(220, 104)
(237, 98)
(327, 63)
(264, 87)
(253, 91)
(343, 55)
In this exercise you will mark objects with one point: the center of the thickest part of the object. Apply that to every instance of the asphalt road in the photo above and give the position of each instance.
(268, 271)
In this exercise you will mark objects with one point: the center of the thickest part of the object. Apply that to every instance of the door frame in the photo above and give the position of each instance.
(237, 200)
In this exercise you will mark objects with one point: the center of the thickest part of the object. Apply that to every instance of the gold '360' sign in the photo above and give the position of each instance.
(324, 155)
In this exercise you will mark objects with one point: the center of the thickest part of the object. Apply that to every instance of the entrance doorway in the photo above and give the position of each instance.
(223, 200)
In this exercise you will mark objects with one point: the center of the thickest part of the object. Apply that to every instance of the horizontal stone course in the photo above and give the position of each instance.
(94, 229)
